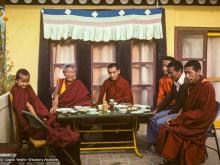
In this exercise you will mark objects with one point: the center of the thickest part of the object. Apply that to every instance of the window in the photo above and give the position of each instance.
(62, 53)
(102, 55)
(136, 60)
(201, 44)
(142, 65)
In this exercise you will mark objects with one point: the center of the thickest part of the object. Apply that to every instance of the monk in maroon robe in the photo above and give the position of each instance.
(183, 139)
(24, 98)
(70, 92)
(115, 87)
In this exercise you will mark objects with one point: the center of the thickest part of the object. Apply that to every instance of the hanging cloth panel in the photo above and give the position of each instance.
(102, 25)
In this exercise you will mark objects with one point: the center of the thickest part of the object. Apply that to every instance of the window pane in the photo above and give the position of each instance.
(142, 51)
(217, 89)
(192, 46)
(143, 95)
(142, 74)
(103, 52)
(63, 53)
(58, 73)
(100, 73)
(213, 56)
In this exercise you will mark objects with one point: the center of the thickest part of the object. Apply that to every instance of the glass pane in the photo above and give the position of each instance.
(213, 56)
(142, 51)
(63, 53)
(192, 46)
(142, 74)
(143, 95)
(184, 62)
(103, 52)
(217, 89)
(100, 74)
(58, 73)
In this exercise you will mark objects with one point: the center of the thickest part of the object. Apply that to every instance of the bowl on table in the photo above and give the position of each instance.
(123, 110)
(138, 111)
(126, 104)
(82, 109)
(141, 106)
(133, 108)
(92, 113)
(92, 109)
(120, 106)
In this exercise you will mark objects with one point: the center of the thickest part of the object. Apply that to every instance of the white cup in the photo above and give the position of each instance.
(100, 107)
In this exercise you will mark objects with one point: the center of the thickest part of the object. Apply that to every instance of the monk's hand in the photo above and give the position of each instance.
(168, 122)
(53, 109)
(44, 119)
(154, 112)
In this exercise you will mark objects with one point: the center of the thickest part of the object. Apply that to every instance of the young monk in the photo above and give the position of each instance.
(25, 99)
(70, 91)
(115, 87)
(182, 140)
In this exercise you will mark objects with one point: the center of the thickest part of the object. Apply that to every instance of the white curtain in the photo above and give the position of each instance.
(62, 53)
(213, 58)
(142, 71)
(192, 46)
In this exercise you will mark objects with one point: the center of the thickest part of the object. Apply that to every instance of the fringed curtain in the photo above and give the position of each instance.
(103, 25)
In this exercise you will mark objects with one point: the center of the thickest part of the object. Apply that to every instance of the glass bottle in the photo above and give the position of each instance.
(105, 106)
(111, 103)
(94, 103)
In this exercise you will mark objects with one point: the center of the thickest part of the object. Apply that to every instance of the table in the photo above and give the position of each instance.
(75, 118)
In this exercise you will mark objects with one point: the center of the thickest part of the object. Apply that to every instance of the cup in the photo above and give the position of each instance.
(100, 107)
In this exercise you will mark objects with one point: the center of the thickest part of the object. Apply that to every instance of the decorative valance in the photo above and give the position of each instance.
(102, 25)
(112, 2)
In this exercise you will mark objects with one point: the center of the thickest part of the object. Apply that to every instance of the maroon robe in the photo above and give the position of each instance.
(184, 139)
(119, 90)
(75, 94)
(56, 135)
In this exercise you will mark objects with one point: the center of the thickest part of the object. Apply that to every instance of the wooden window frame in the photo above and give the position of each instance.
(102, 64)
(181, 31)
(153, 63)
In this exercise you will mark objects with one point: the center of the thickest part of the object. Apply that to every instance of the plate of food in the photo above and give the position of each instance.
(141, 106)
(66, 110)
(137, 112)
(92, 109)
(133, 108)
(92, 113)
(82, 109)
(125, 104)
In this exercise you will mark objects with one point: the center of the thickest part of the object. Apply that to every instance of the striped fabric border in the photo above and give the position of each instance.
(103, 25)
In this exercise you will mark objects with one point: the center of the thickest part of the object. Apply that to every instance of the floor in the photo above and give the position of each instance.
(128, 157)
